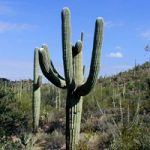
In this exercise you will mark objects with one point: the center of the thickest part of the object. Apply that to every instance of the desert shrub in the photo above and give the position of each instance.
(11, 144)
(53, 121)
(93, 141)
(130, 130)
(132, 138)
(56, 140)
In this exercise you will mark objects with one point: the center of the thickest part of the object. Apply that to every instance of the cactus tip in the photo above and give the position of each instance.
(44, 45)
(65, 10)
(41, 49)
(36, 48)
(100, 20)
(78, 43)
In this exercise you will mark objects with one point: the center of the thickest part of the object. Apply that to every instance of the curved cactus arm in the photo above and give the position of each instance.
(55, 71)
(95, 62)
(67, 47)
(48, 70)
(51, 63)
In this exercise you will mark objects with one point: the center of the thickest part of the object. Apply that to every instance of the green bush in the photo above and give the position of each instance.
(12, 119)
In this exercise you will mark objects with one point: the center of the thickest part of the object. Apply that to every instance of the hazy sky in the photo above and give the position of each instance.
(26, 24)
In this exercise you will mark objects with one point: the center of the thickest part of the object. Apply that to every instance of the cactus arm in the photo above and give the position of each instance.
(67, 47)
(48, 70)
(78, 77)
(51, 63)
(95, 62)
(55, 71)
(77, 48)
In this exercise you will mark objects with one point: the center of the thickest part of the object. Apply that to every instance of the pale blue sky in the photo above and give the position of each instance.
(26, 24)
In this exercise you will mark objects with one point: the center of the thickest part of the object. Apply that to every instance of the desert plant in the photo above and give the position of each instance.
(27, 140)
(56, 138)
(36, 91)
(73, 70)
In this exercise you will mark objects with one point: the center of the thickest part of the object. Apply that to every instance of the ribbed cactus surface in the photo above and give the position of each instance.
(73, 71)
(37, 81)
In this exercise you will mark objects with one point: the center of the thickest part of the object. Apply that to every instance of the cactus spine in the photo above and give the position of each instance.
(73, 70)
(36, 91)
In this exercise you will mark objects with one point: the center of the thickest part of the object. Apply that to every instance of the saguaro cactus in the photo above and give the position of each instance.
(36, 91)
(73, 70)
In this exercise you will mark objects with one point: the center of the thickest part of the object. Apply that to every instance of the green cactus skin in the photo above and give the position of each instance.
(36, 91)
(95, 63)
(57, 97)
(67, 47)
(48, 69)
(73, 71)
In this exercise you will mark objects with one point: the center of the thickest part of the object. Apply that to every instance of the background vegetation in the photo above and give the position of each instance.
(116, 115)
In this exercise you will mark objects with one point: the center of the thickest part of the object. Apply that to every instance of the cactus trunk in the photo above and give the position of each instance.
(36, 92)
(74, 102)
(73, 120)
